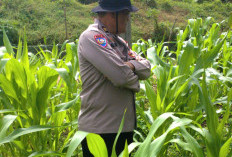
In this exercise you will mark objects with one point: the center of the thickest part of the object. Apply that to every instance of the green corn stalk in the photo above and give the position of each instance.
(178, 87)
(30, 90)
(38, 109)
(153, 147)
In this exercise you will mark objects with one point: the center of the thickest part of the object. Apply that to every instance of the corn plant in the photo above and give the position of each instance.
(185, 106)
(33, 107)
(178, 85)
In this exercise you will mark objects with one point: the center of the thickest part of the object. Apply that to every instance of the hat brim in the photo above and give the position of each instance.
(114, 9)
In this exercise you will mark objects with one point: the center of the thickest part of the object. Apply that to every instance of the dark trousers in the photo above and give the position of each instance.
(109, 140)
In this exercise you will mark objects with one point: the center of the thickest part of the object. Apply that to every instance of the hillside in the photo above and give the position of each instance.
(44, 20)
(158, 21)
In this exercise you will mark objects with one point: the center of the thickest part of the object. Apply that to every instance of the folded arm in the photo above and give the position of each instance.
(140, 65)
(103, 58)
(142, 68)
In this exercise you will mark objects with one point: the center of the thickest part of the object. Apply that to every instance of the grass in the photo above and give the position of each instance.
(42, 19)
(45, 19)
(169, 11)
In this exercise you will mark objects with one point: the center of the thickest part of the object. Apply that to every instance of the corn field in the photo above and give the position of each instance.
(183, 109)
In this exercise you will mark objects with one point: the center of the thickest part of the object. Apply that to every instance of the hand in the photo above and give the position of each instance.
(130, 65)
(134, 55)
(138, 58)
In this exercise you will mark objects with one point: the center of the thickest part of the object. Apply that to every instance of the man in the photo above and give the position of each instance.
(110, 74)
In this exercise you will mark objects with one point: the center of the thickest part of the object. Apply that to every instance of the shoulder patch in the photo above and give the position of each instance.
(101, 40)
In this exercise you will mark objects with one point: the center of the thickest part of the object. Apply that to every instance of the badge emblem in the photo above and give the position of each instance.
(101, 40)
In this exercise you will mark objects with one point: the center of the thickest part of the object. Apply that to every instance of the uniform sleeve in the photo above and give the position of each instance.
(142, 68)
(103, 58)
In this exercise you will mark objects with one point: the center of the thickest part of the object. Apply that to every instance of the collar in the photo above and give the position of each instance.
(102, 27)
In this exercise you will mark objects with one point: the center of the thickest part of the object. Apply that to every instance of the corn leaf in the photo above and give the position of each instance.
(183, 145)
(24, 131)
(8, 88)
(19, 144)
(5, 123)
(96, 145)
(63, 46)
(76, 140)
(8, 111)
(113, 154)
(154, 59)
(46, 79)
(7, 43)
(15, 72)
(3, 63)
(131, 147)
(65, 75)
(19, 50)
(125, 152)
(193, 144)
(158, 143)
(144, 148)
(48, 153)
(221, 126)
(212, 138)
(212, 54)
(225, 149)
(66, 105)
(152, 99)
(69, 53)
(24, 58)
(230, 21)
(75, 62)
(186, 59)
(55, 51)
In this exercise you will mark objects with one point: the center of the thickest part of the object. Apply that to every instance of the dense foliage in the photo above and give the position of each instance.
(44, 20)
(184, 109)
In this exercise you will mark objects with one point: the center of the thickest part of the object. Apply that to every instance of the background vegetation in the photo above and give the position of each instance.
(183, 109)
(43, 20)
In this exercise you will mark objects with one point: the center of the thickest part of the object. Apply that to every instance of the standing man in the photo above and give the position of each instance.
(110, 73)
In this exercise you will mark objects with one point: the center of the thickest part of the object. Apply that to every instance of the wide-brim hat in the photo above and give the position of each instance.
(114, 6)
